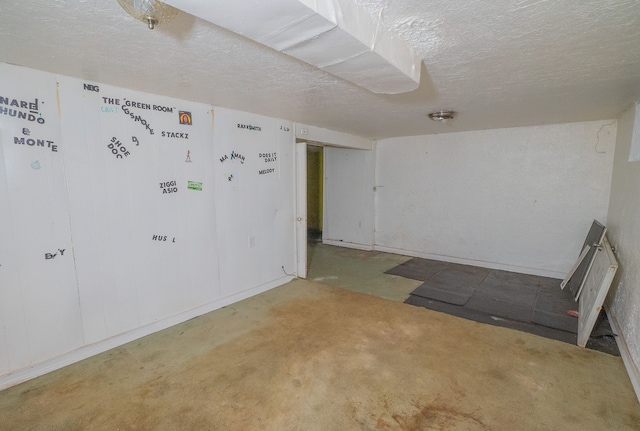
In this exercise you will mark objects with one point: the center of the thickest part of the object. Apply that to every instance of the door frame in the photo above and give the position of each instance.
(301, 209)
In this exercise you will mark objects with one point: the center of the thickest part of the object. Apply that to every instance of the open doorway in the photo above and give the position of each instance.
(315, 193)
(334, 199)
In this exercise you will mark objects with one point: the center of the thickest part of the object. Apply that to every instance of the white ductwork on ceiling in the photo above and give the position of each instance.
(337, 36)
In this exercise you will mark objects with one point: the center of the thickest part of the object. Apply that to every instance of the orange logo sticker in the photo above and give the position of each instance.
(185, 117)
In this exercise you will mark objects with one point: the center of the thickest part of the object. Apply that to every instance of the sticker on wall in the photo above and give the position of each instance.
(175, 135)
(112, 105)
(269, 159)
(109, 109)
(91, 87)
(169, 187)
(233, 156)
(188, 160)
(160, 108)
(35, 165)
(35, 142)
(49, 256)
(163, 238)
(21, 109)
(117, 149)
(110, 101)
(146, 106)
(128, 104)
(194, 185)
(233, 160)
(185, 118)
(249, 127)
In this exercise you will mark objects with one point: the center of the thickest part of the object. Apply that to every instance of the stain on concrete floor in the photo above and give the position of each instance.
(310, 357)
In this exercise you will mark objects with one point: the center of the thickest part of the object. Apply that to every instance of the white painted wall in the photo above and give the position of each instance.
(128, 279)
(520, 199)
(254, 198)
(139, 254)
(624, 234)
(39, 312)
(348, 189)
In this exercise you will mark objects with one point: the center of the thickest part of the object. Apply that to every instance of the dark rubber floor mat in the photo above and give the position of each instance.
(507, 292)
(487, 303)
(519, 301)
(564, 322)
(458, 295)
(512, 278)
(553, 300)
(553, 306)
(478, 316)
(418, 269)
(460, 275)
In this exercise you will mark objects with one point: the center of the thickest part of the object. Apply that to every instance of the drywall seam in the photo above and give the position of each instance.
(634, 152)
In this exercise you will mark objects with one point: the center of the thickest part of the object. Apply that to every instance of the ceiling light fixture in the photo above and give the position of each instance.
(151, 12)
(442, 116)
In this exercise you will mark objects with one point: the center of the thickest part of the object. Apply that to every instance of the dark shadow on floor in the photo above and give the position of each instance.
(523, 302)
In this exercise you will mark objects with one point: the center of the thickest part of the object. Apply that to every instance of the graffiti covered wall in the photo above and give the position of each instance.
(122, 209)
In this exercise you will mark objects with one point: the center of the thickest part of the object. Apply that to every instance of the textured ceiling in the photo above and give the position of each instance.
(500, 63)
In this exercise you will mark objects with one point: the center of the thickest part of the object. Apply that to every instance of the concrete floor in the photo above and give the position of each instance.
(307, 356)
(359, 271)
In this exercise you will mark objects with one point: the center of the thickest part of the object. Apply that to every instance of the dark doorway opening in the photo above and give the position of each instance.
(315, 192)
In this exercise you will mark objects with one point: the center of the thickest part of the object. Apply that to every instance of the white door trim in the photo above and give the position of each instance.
(301, 209)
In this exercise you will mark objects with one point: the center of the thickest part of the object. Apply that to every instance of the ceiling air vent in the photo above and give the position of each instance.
(337, 36)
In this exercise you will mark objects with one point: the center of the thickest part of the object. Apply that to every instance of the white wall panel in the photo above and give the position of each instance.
(278, 248)
(520, 199)
(39, 308)
(349, 205)
(131, 206)
(254, 189)
(136, 184)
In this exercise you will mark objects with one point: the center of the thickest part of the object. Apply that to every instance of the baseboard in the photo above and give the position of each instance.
(348, 244)
(481, 263)
(625, 353)
(22, 375)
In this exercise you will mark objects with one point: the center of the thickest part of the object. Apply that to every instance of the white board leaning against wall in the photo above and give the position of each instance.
(596, 287)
